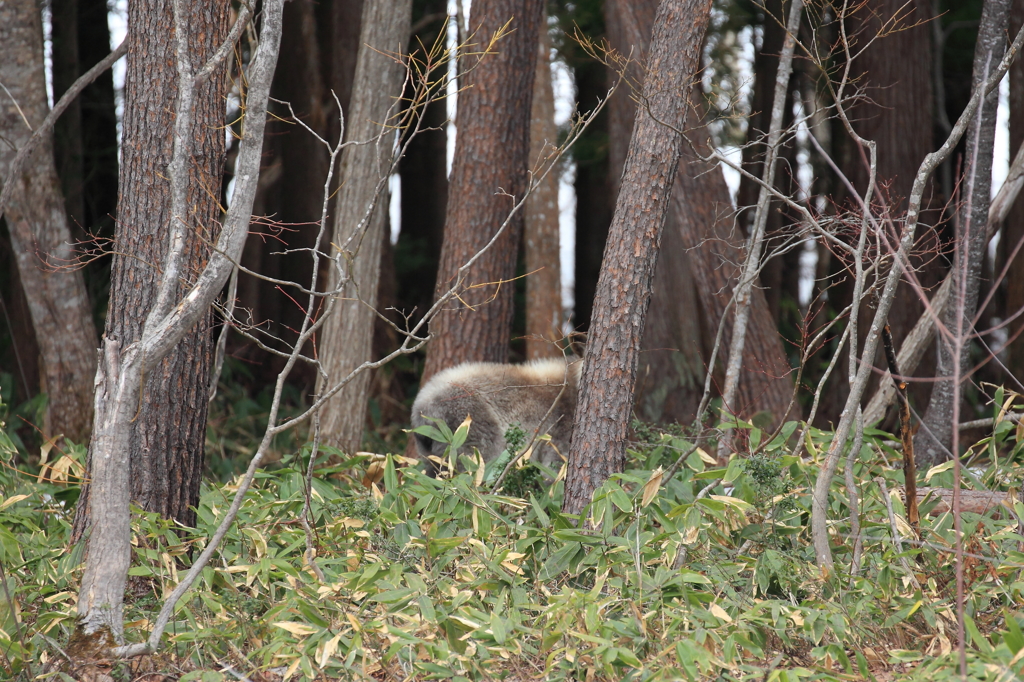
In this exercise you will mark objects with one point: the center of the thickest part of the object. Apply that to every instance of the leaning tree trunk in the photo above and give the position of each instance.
(40, 236)
(490, 157)
(169, 432)
(624, 288)
(360, 218)
(696, 271)
(935, 437)
(543, 281)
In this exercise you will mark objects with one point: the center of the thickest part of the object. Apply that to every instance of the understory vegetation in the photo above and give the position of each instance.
(443, 579)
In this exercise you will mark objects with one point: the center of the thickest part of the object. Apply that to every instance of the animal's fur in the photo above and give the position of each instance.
(496, 396)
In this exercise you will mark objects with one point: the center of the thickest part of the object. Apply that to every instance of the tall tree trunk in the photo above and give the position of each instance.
(490, 155)
(544, 282)
(360, 218)
(623, 292)
(934, 439)
(40, 238)
(1013, 228)
(169, 432)
(291, 191)
(670, 375)
(898, 116)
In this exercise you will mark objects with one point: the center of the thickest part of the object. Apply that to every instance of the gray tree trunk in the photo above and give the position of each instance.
(624, 288)
(935, 437)
(361, 217)
(40, 235)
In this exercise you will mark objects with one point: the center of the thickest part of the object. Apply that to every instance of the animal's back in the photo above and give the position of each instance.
(498, 395)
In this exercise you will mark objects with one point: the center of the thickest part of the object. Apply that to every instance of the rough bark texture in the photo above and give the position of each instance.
(543, 284)
(671, 370)
(624, 288)
(169, 431)
(39, 232)
(361, 217)
(490, 156)
(1013, 228)
(934, 439)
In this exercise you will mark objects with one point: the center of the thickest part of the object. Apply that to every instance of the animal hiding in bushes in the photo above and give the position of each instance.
(497, 396)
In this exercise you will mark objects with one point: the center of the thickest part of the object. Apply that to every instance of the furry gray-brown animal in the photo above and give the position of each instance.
(496, 396)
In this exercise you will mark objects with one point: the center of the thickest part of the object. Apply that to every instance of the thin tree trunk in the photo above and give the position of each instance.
(490, 157)
(361, 216)
(544, 282)
(623, 292)
(1013, 228)
(935, 436)
(169, 432)
(40, 237)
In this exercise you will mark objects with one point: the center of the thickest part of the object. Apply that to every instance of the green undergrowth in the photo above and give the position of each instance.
(440, 579)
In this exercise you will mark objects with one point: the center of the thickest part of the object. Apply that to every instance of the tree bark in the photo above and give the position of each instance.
(624, 288)
(544, 281)
(40, 237)
(1013, 228)
(935, 437)
(169, 432)
(491, 156)
(361, 217)
(121, 375)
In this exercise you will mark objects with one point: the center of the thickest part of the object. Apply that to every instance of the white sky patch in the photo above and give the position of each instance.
(117, 23)
(1001, 153)
(732, 176)
(48, 51)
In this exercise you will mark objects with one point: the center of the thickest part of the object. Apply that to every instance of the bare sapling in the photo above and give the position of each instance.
(886, 289)
(752, 262)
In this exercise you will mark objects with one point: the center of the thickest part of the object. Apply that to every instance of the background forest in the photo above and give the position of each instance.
(261, 213)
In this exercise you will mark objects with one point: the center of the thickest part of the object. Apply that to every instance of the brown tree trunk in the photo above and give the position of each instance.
(623, 292)
(1013, 228)
(291, 187)
(543, 282)
(671, 370)
(360, 219)
(898, 116)
(490, 156)
(935, 437)
(169, 431)
(40, 238)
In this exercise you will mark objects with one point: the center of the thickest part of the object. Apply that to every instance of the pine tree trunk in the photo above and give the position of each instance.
(544, 282)
(623, 292)
(360, 219)
(934, 439)
(490, 155)
(40, 237)
(169, 432)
